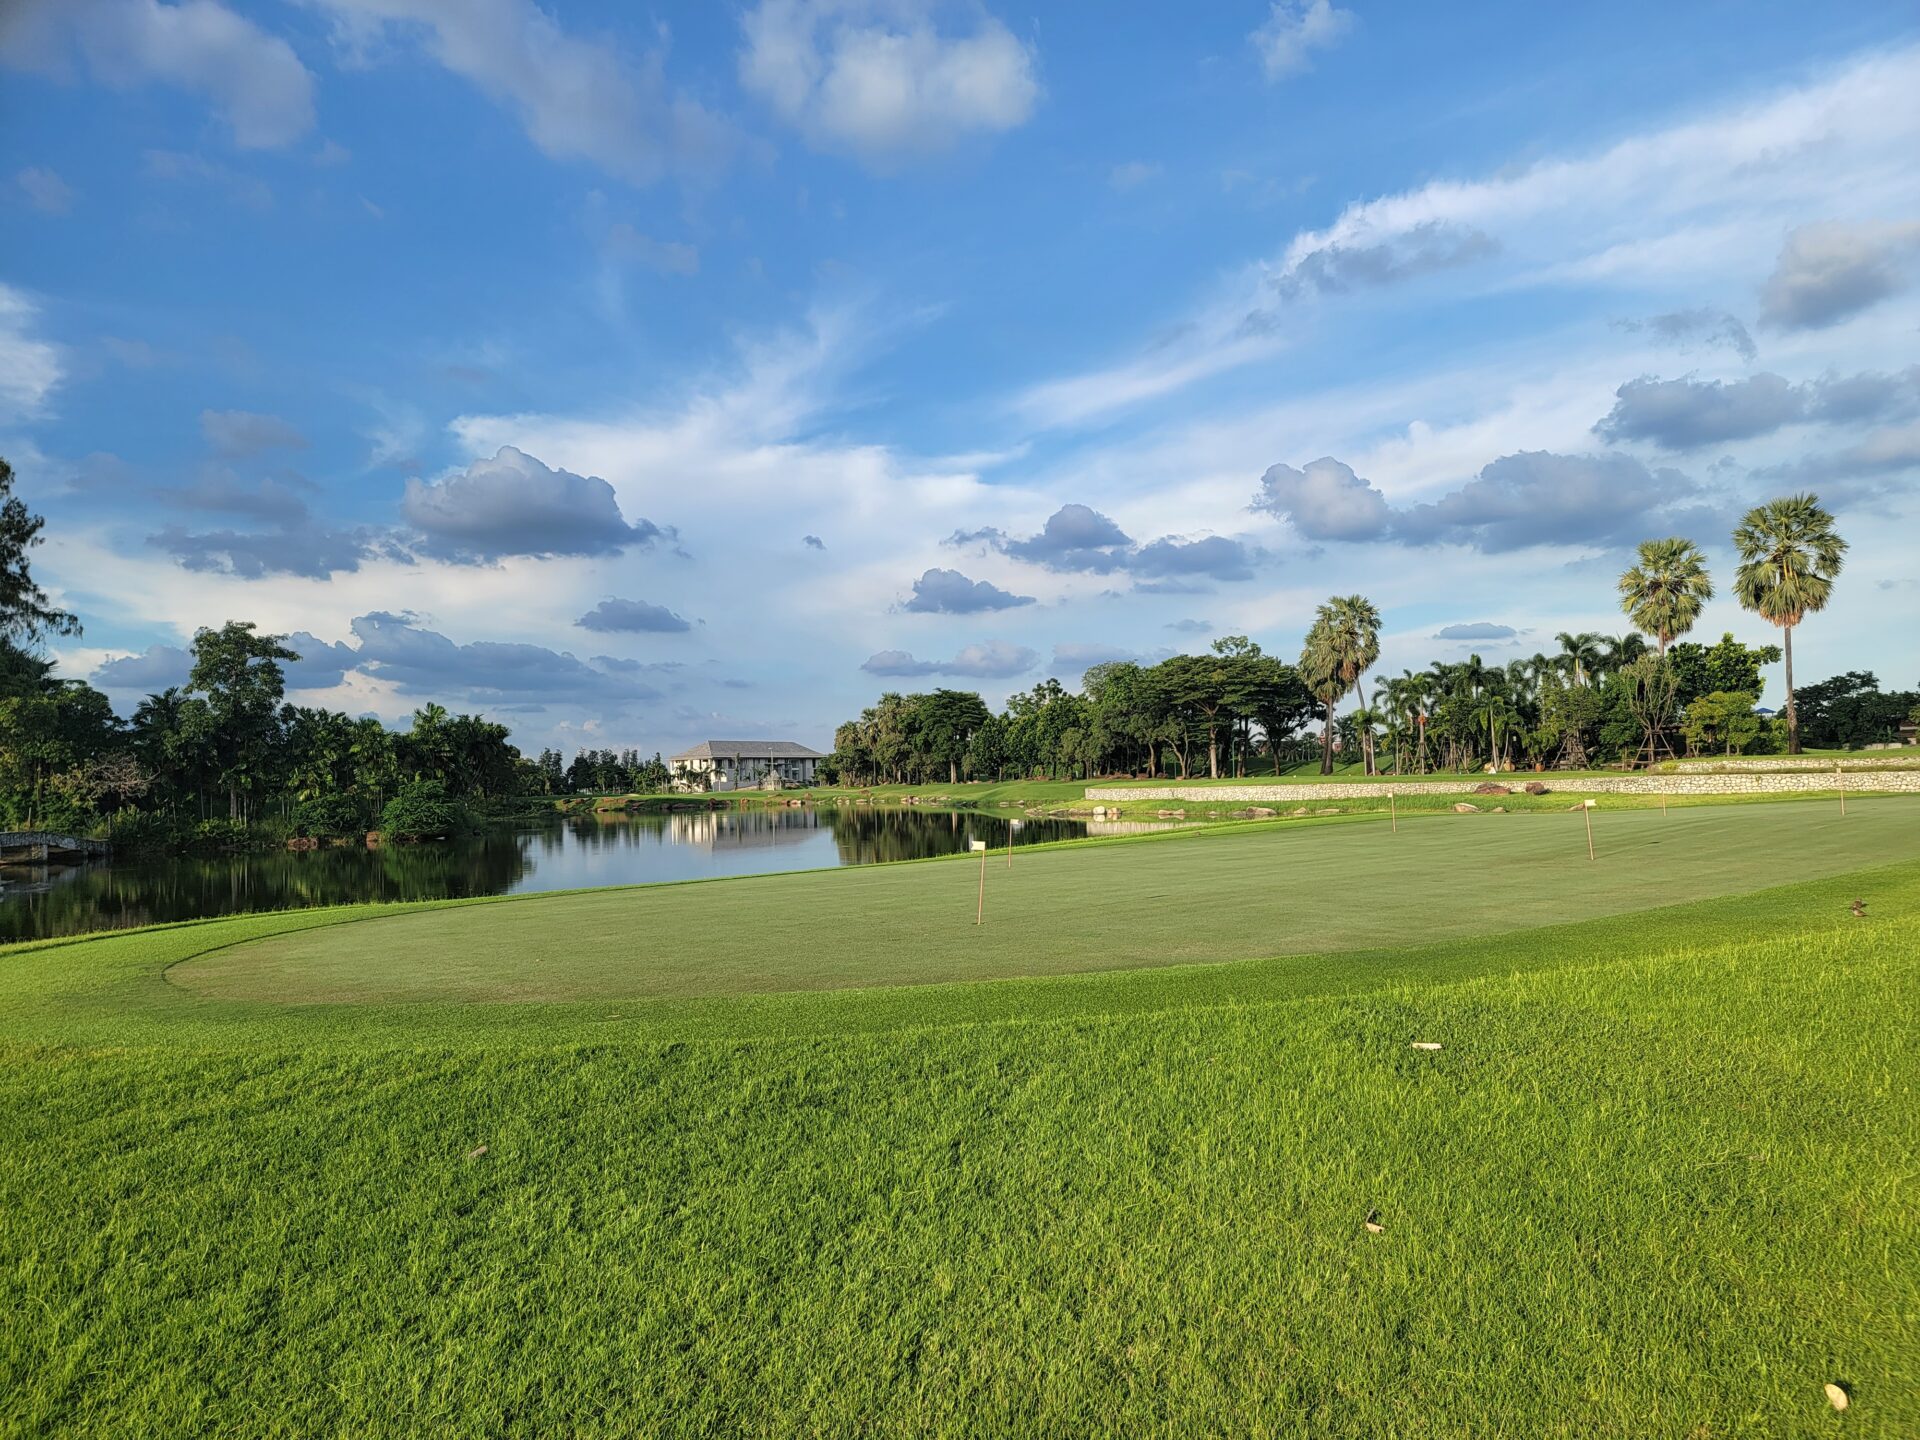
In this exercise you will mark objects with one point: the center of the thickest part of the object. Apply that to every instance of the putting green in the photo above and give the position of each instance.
(1263, 891)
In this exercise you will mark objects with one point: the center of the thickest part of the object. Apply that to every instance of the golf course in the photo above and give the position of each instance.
(1318, 1127)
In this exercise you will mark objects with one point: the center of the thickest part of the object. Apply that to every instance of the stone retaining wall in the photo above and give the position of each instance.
(1892, 760)
(1906, 781)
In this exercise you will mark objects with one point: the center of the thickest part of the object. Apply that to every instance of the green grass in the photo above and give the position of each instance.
(1658, 1183)
(1259, 890)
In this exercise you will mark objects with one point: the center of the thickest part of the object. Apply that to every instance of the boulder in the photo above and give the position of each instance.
(1261, 812)
(1490, 788)
(1461, 807)
(1534, 787)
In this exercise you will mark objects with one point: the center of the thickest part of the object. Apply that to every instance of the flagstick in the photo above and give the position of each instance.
(1393, 812)
(1840, 784)
(1587, 810)
(980, 910)
(1663, 802)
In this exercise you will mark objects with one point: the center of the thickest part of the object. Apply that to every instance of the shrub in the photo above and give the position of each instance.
(219, 834)
(327, 817)
(423, 811)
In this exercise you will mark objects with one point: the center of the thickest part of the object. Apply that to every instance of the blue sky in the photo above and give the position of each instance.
(640, 376)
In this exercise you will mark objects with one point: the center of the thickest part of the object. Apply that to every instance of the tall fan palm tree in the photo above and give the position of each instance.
(1789, 556)
(1663, 593)
(1320, 671)
(1353, 627)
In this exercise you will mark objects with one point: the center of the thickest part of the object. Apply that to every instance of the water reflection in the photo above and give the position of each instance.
(614, 849)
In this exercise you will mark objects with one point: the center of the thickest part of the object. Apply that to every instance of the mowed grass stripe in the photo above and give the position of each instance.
(1270, 890)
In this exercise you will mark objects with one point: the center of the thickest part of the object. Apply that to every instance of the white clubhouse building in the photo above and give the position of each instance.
(744, 765)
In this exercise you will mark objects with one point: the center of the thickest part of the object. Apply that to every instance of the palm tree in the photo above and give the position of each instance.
(1353, 630)
(1320, 671)
(1582, 656)
(1789, 556)
(1664, 592)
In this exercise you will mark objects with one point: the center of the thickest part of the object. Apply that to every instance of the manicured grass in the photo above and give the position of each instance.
(1657, 1183)
(1266, 890)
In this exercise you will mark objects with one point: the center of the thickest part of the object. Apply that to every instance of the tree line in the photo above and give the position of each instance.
(1595, 700)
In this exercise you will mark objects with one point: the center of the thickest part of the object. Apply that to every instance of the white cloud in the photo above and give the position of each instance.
(577, 98)
(1671, 212)
(29, 366)
(1293, 30)
(1827, 273)
(254, 79)
(880, 80)
(45, 190)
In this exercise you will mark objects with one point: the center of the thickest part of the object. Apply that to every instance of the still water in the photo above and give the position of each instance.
(614, 850)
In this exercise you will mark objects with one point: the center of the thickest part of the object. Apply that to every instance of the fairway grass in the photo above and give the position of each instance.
(1269, 890)
(1657, 1182)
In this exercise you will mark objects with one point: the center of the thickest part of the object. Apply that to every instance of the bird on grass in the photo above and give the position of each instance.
(1859, 909)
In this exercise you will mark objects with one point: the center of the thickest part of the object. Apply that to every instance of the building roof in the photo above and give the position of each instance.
(749, 750)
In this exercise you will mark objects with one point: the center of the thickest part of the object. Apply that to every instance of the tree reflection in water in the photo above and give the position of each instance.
(613, 849)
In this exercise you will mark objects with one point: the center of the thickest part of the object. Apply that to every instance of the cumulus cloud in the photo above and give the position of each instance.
(45, 190)
(1681, 414)
(1539, 498)
(253, 79)
(1686, 413)
(158, 667)
(1216, 557)
(1293, 30)
(29, 367)
(948, 592)
(992, 660)
(1827, 273)
(813, 542)
(577, 98)
(617, 615)
(1075, 538)
(322, 665)
(1325, 501)
(883, 81)
(1191, 627)
(1079, 539)
(418, 661)
(1701, 327)
(1341, 266)
(512, 504)
(236, 434)
(1475, 630)
(308, 549)
(221, 492)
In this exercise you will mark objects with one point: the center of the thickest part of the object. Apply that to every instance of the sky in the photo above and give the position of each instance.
(638, 376)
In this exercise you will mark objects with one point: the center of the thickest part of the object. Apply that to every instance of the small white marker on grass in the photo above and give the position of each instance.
(1837, 1396)
(1426, 1044)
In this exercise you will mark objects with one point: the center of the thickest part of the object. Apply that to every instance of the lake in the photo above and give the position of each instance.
(610, 849)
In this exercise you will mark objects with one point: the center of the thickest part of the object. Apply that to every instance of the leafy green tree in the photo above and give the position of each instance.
(1664, 591)
(238, 671)
(1790, 555)
(1724, 720)
(945, 722)
(1725, 665)
(26, 614)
